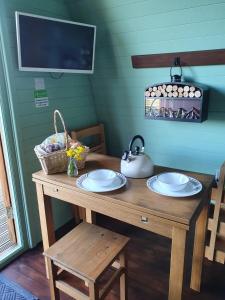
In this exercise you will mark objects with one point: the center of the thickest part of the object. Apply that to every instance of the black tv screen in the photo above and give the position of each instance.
(53, 45)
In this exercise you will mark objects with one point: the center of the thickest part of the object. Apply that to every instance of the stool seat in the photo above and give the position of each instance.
(87, 250)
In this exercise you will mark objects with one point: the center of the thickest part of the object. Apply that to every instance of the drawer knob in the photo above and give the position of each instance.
(144, 219)
(56, 189)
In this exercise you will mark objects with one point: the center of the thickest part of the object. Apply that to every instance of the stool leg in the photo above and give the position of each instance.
(52, 271)
(123, 277)
(93, 291)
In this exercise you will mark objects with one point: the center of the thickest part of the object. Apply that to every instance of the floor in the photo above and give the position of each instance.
(5, 242)
(148, 269)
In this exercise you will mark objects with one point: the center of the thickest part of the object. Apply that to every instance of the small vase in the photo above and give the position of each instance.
(72, 169)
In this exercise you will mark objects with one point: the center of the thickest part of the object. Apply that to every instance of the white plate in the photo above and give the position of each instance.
(193, 187)
(84, 184)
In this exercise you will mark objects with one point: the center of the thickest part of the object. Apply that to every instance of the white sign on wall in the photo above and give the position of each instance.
(40, 93)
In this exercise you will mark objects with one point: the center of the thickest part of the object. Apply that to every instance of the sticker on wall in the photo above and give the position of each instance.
(40, 93)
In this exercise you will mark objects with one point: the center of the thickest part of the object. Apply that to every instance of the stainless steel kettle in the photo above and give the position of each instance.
(135, 163)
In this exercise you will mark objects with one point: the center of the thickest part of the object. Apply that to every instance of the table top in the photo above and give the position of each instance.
(135, 194)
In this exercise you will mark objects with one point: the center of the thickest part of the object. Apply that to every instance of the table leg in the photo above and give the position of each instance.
(90, 216)
(199, 249)
(46, 219)
(177, 263)
(76, 214)
(82, 213)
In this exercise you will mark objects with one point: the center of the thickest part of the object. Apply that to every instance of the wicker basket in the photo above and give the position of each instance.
(55, 162)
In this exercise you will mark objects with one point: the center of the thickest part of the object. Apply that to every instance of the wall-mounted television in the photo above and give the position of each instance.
(52, 45)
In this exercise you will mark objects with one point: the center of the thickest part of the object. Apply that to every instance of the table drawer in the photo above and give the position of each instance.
(111, 209)
(145, 221)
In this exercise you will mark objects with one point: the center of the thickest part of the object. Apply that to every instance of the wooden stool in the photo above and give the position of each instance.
(86, 252)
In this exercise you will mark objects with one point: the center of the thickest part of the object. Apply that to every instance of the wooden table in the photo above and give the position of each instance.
(136, 205)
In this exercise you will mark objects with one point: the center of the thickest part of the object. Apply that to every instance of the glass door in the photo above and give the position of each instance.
(7, 227)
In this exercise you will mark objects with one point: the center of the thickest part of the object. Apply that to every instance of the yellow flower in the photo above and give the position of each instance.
(77, 152)
(70, 153)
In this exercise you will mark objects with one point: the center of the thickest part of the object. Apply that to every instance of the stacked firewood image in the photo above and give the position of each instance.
(173, 91)
(174, 101)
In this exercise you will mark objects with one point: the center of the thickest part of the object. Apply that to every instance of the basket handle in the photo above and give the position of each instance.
(57, 112)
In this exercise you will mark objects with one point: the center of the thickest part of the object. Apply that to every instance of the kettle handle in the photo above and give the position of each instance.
(132, 142)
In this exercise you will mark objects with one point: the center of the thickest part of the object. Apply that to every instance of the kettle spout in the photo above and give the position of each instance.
(125, 156)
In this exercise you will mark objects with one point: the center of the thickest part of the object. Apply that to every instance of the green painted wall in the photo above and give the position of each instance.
(124, 28)
(71, 94)
(129, 27)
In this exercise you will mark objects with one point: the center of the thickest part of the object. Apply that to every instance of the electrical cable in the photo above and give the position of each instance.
(56, 77)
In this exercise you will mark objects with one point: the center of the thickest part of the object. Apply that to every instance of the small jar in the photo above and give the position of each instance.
(72, 169)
